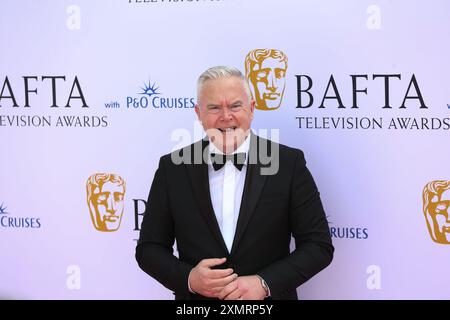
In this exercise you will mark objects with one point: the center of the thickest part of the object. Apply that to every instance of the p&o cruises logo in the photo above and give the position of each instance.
(150, 96)
(7, 221)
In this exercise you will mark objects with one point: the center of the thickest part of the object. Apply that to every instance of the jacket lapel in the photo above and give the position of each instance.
(198, 174)
(254, 183)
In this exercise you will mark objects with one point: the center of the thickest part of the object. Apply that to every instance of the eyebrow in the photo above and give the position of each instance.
(218, 105)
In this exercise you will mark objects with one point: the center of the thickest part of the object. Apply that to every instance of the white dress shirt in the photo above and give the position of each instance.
(226, 187)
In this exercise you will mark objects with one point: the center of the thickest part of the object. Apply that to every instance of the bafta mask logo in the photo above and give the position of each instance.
(436, 205)
(105, 197)
(265, 71)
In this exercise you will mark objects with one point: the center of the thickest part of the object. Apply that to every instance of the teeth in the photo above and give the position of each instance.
(228, 129)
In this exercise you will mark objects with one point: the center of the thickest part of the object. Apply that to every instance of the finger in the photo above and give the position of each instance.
(219, 273)
(213, 293)
(222, 282)
(234, 295)
(212, 262)
(227, 290)
(216, 291)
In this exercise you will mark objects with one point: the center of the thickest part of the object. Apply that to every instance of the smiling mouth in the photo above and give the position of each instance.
(224, 130)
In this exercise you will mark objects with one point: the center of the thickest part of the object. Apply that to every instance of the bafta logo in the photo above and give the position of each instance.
(105, 198)
(265, 71)
(436, 204)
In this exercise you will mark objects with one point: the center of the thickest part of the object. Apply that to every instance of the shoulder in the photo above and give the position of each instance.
(186, 155)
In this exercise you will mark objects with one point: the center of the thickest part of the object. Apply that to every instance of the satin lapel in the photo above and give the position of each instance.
(254, 183)
(198, 174)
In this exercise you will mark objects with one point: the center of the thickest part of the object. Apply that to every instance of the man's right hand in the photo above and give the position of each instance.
(210, 282)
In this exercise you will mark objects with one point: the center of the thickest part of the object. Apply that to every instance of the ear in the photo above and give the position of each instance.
(197, 111)
(252, 107)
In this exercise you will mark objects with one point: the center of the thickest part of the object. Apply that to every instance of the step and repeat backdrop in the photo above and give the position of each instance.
(92, 93)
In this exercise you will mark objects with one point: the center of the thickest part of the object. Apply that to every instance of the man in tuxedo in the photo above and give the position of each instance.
(232, 202)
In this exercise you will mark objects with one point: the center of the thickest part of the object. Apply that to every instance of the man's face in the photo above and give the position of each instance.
(106, 206)
(268, 79)
(439, 211)
(225, 111)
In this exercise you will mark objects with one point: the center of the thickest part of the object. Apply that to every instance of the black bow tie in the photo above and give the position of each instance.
(218, 160)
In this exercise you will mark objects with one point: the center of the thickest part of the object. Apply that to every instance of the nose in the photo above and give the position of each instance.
(226, 113)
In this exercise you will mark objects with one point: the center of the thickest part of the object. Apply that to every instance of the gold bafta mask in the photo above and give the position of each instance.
(265, 71)
(105, 197)
(436, 205)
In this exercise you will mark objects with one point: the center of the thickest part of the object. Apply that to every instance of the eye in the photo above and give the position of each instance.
(213, 109)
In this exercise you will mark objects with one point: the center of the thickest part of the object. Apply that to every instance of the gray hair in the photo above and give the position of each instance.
(221, 72)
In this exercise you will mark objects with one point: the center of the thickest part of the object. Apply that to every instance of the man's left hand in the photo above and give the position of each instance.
(244, 288)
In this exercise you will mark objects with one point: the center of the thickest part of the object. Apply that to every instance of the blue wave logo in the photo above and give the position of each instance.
(150, 89)
(3, 209)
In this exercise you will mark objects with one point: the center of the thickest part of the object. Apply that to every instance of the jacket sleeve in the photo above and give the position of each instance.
(154, 251)
(314, 249)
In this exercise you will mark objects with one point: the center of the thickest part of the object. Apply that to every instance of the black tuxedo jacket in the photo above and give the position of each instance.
(273, 208)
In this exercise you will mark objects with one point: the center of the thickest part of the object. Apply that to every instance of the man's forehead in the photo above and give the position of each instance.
(217, 91)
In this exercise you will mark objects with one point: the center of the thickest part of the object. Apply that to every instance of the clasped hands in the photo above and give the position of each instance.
(224, 283)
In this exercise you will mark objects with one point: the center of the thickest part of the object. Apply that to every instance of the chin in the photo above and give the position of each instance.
(225, 147)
